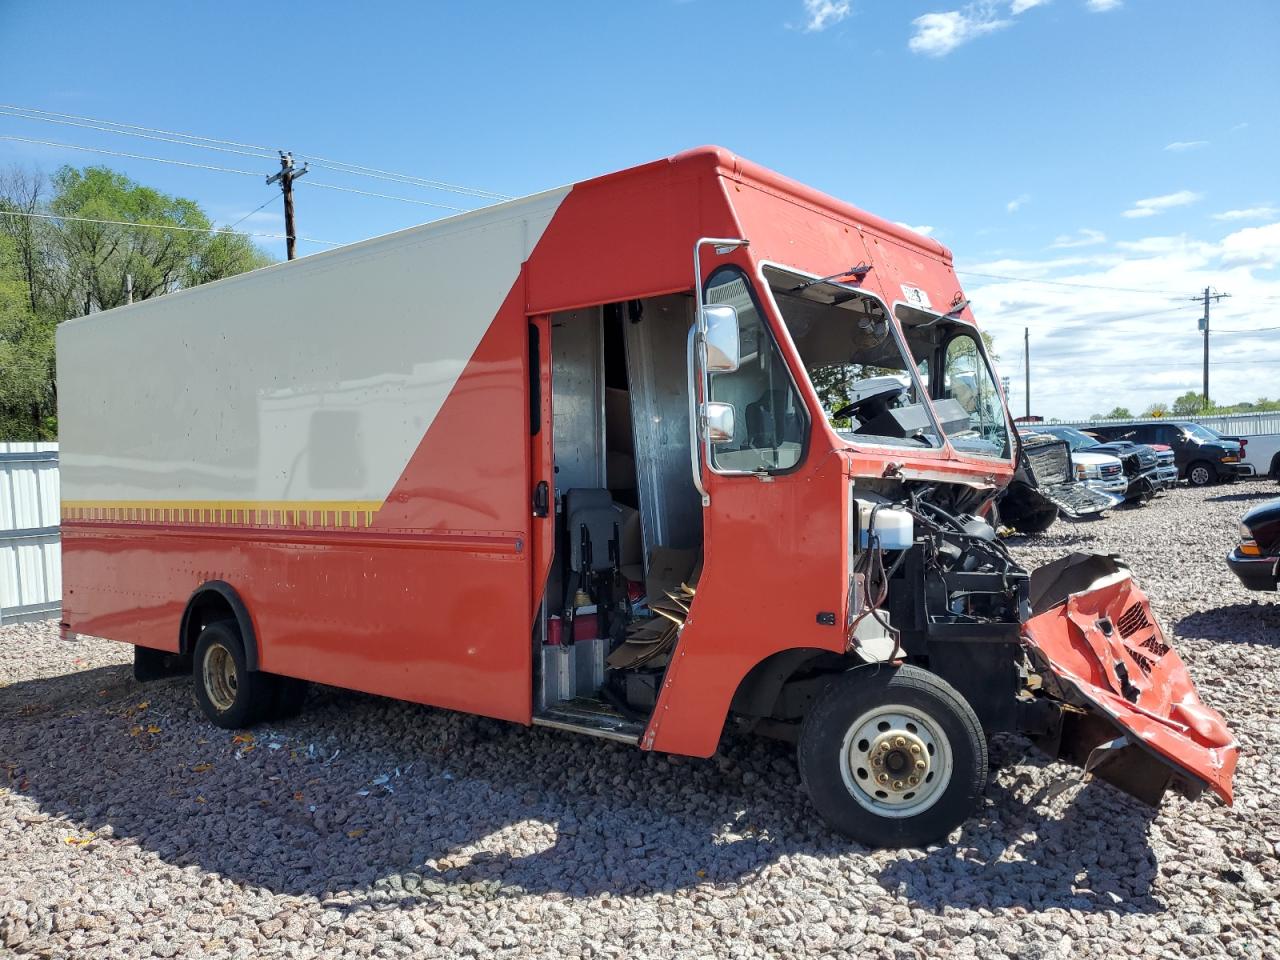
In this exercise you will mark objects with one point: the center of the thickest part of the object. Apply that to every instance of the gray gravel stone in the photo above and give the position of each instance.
(130, 827)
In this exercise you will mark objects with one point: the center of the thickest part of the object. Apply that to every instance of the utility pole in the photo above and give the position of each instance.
(1026, 363)
(1204, 325)
(285, 177)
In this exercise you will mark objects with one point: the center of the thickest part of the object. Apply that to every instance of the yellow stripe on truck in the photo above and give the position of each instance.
(290, 513)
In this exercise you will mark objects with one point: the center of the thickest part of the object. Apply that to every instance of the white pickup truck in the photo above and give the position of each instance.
(1262, 453)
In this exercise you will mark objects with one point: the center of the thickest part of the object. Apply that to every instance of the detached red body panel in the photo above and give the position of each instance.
(1105, 646)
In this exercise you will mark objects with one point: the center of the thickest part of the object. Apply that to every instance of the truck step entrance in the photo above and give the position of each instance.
(593, 719)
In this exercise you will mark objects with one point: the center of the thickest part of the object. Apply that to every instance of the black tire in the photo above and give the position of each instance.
(928, 713)
(1039, 521)
(1201, 473)
(229, 694)
(1275, 467)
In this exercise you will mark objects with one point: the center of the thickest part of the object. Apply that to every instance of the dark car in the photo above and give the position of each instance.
(1141, 467)
(1256, 561)
(1201, 455)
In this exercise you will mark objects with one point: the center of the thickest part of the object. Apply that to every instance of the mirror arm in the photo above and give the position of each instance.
(697, 359)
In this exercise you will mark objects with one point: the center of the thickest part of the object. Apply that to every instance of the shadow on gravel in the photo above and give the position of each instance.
(1257, 622)
(464, 806)
(1252, 496)
(1093, 858)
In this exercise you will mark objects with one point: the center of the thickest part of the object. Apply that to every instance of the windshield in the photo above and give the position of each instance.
(961, 381)
(1201, 433)
(1076, 439)
(855, 360)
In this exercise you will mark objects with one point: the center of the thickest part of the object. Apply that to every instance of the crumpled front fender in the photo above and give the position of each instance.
(1101, 652)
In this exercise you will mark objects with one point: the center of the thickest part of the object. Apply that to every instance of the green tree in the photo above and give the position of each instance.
(55, 265)
(1188, 404)
(26, 353)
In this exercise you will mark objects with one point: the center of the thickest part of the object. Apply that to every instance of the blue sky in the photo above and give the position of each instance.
(1121, 144)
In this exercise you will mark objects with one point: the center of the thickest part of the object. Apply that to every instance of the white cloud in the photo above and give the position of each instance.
(937, 34)
(1154, 205)
(1252, 247)
(1102, 6)
(1182, 146)
(1018, 202)
(924, 231)
(1094, 347)
(1019, 6)
(1248, 213)
(821, 14)
(1084, 237)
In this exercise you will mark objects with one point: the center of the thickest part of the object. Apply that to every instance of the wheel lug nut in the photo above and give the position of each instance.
(897, 784)
(915, 748)
(913, 780)
(883, 778)
(899, 741)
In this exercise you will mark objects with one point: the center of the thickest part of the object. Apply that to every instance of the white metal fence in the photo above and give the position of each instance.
(1229, 424)
(30, 548)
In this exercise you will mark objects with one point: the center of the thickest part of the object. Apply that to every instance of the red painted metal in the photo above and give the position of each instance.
(1162, 710)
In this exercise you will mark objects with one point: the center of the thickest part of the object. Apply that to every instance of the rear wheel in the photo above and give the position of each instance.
(230, 695)
(893, 756)
(1201, 474)
(1275, 467)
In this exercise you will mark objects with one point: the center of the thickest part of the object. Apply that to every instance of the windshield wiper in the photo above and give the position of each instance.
(860, 271)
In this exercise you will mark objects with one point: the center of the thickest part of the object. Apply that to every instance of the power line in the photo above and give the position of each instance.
(162, 226)
(249, 173)
(374, 173)
(1061, 283)
(386, 196)
(1091, 365)
(229, 146)
(9, 112)
(132, 156)
(134, 126)
(1259, 330)
(250, 214)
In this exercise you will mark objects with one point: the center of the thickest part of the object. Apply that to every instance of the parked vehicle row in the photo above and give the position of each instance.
(1202, 455)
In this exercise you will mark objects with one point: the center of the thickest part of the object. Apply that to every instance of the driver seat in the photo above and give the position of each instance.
(770, 423)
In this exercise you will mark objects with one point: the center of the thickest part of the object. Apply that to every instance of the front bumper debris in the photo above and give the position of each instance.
(1130, 712)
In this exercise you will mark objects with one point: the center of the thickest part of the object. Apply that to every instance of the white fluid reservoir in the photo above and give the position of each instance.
(894, 528)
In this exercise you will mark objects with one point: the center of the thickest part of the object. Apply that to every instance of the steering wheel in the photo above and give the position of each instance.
(870, 406)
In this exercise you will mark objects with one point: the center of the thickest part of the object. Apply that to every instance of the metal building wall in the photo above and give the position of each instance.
(30, 547)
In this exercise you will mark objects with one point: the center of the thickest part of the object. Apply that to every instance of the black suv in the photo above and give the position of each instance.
(1202, 457)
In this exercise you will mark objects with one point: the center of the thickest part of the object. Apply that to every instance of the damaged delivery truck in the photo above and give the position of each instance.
(684, 447)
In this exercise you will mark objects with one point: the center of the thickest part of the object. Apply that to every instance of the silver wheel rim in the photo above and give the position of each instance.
(220, 678)
(1200, 476)
(896, 761)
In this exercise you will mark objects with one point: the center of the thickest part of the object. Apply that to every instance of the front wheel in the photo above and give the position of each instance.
(1200, 474)
(893, 756)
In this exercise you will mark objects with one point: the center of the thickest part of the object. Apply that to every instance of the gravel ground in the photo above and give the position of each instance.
(130, 827)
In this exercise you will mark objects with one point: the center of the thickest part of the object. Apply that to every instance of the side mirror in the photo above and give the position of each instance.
(720, 421)
(724, 347)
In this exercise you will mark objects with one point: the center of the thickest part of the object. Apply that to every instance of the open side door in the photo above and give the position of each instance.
(1132, 715)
